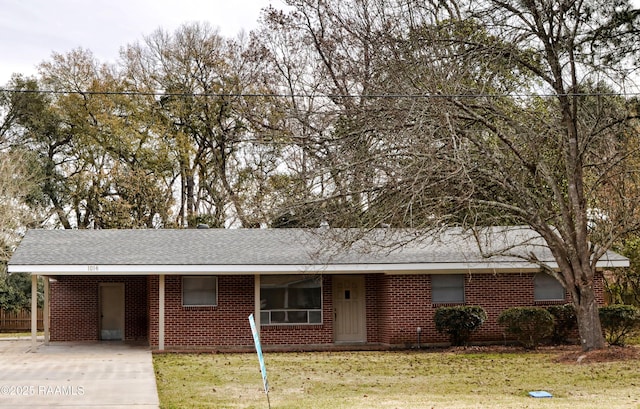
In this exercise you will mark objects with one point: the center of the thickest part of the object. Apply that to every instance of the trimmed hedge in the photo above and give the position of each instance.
(459, 322)
(529, 325)
(565, 322)
(618, 322)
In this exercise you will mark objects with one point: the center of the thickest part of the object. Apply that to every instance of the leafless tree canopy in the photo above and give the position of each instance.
(476, 114)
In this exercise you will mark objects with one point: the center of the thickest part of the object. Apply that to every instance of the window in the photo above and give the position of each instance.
(199, 291)
(547, 288)
(447, 289)
(290, 299)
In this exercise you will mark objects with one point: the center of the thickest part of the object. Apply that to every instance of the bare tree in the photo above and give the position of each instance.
(547, 161)
(483, 113)
(216, 133)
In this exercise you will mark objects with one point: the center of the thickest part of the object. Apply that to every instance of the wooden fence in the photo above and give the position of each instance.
(18, 321)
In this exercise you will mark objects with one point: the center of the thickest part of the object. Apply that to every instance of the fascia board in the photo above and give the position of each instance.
(617, 263)
(415, 268)
(77, 269)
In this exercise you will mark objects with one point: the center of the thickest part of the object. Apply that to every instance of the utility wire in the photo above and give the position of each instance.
(336, 96)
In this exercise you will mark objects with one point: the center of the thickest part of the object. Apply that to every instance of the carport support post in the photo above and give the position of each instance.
(46, 317)
(257, 302)
(34, 310)
(161, 312)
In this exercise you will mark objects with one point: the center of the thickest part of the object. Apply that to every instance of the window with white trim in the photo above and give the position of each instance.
(290, 299)
(447, 288)
(547, 288)
(199, 291)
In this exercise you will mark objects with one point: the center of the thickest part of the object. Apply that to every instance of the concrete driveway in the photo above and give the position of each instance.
(76, 375)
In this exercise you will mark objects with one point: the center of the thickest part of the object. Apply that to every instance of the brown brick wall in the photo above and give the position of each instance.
(74, 307)
(396, 306)
(223, 325)
(373, 319)
(403, 303)
(227, 324)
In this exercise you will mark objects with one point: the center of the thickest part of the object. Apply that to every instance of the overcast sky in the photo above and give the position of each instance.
(30, 30)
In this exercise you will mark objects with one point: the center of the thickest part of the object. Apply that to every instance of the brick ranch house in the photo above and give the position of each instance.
(181, 289)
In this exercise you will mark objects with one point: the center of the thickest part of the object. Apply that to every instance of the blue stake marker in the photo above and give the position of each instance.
(263, 368)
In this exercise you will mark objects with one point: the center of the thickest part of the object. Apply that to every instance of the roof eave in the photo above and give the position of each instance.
(152, 269)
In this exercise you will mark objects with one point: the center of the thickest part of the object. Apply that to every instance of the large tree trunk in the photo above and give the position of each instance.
(589, 328)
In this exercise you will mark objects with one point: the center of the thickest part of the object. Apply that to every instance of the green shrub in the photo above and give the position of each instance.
(618, 322)
(459, 322)
(565, 322)
(529, 325)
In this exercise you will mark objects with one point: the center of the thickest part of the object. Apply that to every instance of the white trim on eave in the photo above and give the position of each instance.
(401, 268)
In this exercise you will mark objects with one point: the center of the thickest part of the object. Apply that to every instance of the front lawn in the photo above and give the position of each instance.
(472, 378)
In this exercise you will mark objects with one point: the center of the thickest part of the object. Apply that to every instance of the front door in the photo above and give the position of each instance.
(349, 309)
(112, 311)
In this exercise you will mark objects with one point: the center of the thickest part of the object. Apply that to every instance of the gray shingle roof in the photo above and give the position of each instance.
(259, 247)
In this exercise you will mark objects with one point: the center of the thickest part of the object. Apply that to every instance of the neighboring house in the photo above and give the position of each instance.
(178, 289)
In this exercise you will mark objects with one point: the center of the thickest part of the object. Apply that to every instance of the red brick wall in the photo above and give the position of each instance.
(74, 307)
(403, 303)
(599, 288)
(495, 293)
(186, 327)
(396, 305)
(227, 323)
(373, 320)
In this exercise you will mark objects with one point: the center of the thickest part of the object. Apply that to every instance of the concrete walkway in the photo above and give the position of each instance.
(76, 375)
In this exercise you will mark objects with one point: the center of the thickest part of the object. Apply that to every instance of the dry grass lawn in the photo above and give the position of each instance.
(471, 378)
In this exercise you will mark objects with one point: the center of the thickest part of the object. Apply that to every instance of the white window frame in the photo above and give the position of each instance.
(215, 291)
(448, 283)
(266, 314)
(547, 288)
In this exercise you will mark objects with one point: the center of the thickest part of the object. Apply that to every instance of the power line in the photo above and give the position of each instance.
(331, 96)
